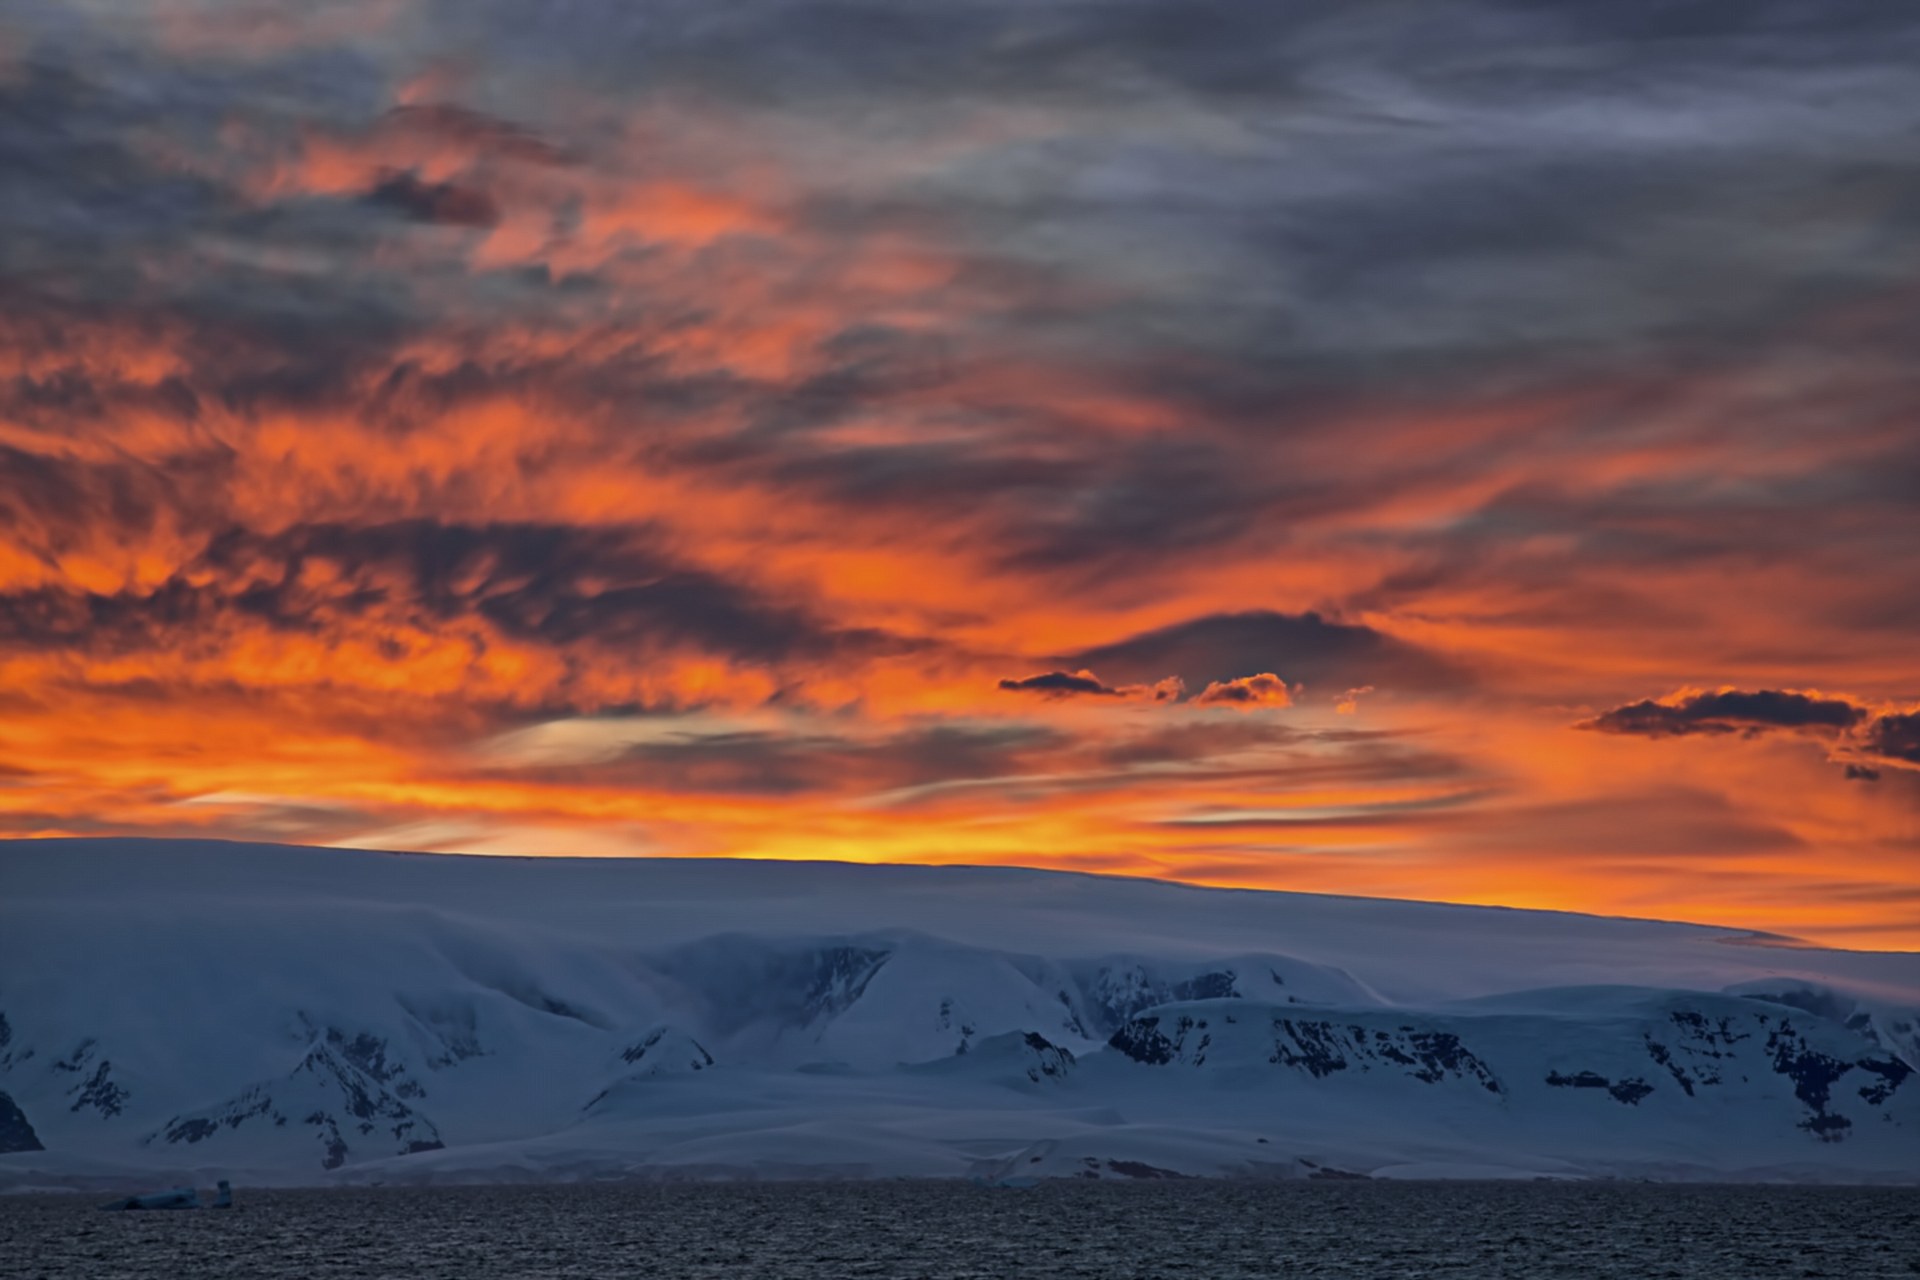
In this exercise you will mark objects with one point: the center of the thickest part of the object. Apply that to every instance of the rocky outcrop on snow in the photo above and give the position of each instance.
(661, 1051)
(346, 1098)
(1017, 1059)
(1319, 1047)
(1114, 990)
(95, 1088)
(1627, 1091)
(664, 1051)
(1710, 1061)
(16, 1133)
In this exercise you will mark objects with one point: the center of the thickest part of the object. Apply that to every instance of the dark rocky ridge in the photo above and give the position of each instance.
(16, 1133)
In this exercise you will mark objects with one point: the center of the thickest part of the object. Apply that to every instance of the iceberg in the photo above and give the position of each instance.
(175, 1198)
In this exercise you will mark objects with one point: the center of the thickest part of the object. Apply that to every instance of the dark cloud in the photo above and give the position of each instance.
(1864, 738)
(477, 132)
(65, 397)
(81, 204)
(1074, 510)
(108, 230)
(1154, 499)
(1894, 736)
(50, 505)
(444, 203)
(1061, 684)
(1728, 711)
(1377, 190)
(1387, 193)
(1305, 648)
(559, 585)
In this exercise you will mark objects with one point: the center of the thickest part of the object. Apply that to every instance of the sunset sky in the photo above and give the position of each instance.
(1443, 450)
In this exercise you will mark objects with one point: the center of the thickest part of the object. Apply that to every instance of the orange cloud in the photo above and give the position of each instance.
(1246, 692)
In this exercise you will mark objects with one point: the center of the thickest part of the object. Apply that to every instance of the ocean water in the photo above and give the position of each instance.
(826, 1231)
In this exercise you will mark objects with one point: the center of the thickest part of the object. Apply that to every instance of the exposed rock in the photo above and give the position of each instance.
(347, 1088)
(1813, 1075)
(1324, 1047)
(1628, 1091)
(98, 1091)
(1115, 994)
(948, 1021)
(1050, 1061)
(1318, 1047)
(1892, 1072)
(666, 1050)
(16, 1134)
(840, 977)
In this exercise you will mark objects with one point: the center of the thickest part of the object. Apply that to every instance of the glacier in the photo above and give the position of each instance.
(278, 1015)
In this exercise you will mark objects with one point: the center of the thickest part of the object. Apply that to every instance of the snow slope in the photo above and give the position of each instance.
(191, 1009)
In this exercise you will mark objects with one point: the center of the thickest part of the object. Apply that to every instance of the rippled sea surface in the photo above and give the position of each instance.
(932, 1229)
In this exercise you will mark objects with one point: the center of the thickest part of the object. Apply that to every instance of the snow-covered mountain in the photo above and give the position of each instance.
(192, 1009)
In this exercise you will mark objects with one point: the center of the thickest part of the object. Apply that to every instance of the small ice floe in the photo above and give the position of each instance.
(176, 1198)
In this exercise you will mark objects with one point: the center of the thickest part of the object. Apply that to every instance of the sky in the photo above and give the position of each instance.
(1446, 450)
